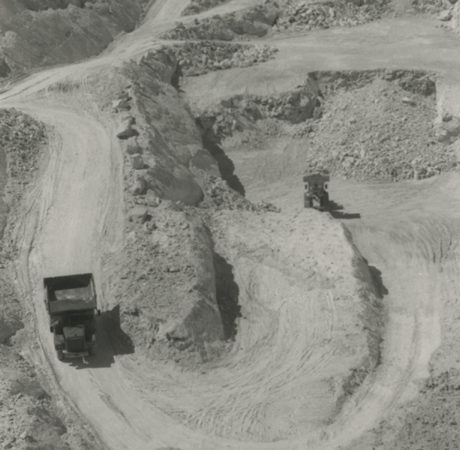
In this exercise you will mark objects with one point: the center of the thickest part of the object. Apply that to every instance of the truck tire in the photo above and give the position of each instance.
(60, 355)
(325, 201)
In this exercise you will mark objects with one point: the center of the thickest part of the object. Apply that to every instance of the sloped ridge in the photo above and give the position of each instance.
(38, 33)
(310, 323)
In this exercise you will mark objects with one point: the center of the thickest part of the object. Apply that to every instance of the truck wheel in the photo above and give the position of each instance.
(307, 202)
(60, 355)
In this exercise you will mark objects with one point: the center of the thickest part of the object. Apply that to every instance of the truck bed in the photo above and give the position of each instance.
(70, 293)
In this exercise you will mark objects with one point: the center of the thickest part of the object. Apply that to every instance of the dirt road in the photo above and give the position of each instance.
(71, 224)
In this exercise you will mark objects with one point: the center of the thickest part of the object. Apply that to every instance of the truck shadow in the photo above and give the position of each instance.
(111, 340)
(336, 211)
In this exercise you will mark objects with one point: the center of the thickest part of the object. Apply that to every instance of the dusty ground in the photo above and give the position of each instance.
(229, 322)
(31, 417)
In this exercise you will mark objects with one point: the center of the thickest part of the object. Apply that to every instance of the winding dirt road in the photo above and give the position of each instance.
(71, 224)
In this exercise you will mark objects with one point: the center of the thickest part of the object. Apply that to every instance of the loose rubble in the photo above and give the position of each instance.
(197, 58)
(379, 132)
(432, 418)
(362, 125)
(280, 17)
(253, 22)
(197, 6)
(239, 112)
(431, 6)
(305, 15)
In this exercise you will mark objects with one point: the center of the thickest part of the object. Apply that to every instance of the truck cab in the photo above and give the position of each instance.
(71, 302)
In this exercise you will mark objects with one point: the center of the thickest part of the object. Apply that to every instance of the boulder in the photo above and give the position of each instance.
(408, 101)
(133, 149)
(152, 199)
(126, 130)
(139, 214)
(121, 105)
(137, 162)
(445, 16)
(140, 187)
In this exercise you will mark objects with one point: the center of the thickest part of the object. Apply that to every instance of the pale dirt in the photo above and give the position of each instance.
(407, 232)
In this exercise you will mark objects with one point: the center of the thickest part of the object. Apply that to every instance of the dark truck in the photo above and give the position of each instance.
(72, 307)
(316, 194)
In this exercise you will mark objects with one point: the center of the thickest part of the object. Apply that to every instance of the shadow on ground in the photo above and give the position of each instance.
(226, 167)
(377, 279)
(336, 211)
(111, 340)
(227, 296)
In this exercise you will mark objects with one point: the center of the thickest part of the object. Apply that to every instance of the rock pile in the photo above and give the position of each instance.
(307, 16)
(197, 58)
(219, 196)
(21, 138)
(240, 112)
(197, 6)
(433, 418)
(28, 417)
(379, 132)
(254, 22)
(362, 125)
(297, 15)
(432, 6)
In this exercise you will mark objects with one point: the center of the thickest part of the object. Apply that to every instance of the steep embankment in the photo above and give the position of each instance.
(80, 28)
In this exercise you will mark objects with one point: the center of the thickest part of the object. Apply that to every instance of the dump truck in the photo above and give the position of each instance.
(71, 303)
(316, 190)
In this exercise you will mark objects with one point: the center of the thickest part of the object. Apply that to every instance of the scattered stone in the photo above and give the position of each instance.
(256, 21)
(197, 6)
(305, 15)
(197, 58)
